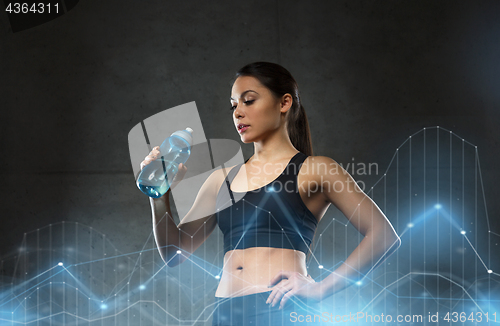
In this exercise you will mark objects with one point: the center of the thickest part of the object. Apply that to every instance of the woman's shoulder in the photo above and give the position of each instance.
(216, 178)
(321, 166)
(320, 161)
(222, 171)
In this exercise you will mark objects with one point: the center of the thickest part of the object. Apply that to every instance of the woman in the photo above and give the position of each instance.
(288, 191)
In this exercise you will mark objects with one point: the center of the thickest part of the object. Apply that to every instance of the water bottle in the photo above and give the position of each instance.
(156, 177)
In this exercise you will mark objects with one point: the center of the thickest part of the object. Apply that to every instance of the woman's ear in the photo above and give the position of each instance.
(286, 103)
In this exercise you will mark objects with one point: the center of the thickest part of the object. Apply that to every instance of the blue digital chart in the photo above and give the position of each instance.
(446, 271)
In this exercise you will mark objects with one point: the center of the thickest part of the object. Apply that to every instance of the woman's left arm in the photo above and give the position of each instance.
(380, 240)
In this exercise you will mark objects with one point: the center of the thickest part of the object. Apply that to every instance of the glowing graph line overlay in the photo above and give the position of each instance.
(431, 192)
(434, 156)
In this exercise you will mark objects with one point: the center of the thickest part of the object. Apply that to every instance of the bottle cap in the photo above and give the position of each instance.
(186, 135)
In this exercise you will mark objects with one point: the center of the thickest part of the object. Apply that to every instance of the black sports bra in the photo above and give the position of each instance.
(271, 216)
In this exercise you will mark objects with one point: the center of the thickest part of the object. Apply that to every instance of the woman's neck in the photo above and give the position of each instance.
(273, 148)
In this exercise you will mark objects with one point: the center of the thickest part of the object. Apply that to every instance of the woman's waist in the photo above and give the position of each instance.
(250, 270)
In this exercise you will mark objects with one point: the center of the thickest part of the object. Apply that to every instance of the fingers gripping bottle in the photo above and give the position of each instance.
(156, 177)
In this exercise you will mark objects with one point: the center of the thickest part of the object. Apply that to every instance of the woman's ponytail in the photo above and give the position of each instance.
(298, 130)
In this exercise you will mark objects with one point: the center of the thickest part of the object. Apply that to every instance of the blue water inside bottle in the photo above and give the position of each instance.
(156, 177)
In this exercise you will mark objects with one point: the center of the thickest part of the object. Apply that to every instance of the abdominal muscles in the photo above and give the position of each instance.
(248, 271)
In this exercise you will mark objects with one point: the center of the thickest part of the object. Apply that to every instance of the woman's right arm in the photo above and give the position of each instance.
(194, 228)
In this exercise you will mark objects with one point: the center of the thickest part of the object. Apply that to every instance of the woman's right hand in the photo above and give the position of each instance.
(153, 155)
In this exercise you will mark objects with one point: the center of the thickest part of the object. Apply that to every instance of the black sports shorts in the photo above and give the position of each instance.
(252, 310)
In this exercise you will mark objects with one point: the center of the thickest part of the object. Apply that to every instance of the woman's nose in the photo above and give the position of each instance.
(238, 112)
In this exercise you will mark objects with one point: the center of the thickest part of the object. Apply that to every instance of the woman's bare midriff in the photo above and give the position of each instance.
(248, 271)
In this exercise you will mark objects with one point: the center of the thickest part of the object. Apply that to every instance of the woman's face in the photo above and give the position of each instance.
(256, 112)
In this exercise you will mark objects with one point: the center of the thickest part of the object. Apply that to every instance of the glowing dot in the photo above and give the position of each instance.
(463, 232)
(178, 251)
(490, 271)
(359, 283)
(217, 276)
(320, 266)
(104, 306)
(60, 264)
(410, 225)
(437, 206)
(142, 287)
(271, 189)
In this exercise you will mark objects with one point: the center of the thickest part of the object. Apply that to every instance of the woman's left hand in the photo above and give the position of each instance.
(293, 284)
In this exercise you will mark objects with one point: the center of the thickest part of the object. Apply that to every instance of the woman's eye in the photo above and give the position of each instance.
(249, 102)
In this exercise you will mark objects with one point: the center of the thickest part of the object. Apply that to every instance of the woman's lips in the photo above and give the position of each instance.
(242, 128)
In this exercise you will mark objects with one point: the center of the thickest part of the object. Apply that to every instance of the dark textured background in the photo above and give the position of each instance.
(370, 74)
